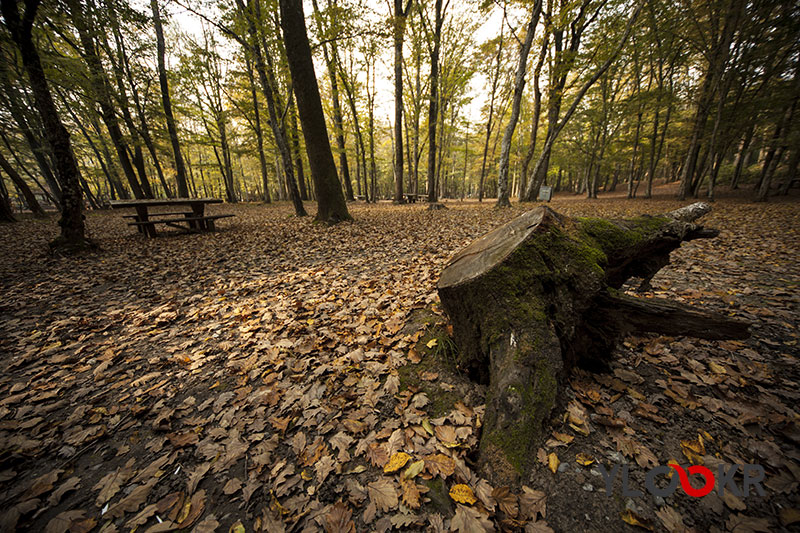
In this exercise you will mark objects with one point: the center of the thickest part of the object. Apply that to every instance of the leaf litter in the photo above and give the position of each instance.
(248, 380)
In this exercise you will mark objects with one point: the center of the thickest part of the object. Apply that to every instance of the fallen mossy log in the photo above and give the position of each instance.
(530, 299)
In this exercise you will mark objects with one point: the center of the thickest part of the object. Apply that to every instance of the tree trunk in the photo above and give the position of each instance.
(180, 169)
(532, 298)
(298, 156)
(519, 87)
(262, 159)
(99, 82)
(331, 205)
(718, 58)
(67, 172)
(537, 113)
(791, 174)
(267, 81)
(398, 31)
(489, 123)
(39, 151)
(30, 198)
(6, 212)
(741, 155)
(553, 130)
(433, 104)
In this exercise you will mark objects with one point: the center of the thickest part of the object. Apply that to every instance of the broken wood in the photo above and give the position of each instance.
(532, 298)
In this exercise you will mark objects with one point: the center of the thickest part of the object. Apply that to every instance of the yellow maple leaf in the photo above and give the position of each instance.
(553, 462)
(396, 462)
(584, 459)
(462, 494)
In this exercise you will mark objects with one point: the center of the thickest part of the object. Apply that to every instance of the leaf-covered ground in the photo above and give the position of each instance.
(273, 376)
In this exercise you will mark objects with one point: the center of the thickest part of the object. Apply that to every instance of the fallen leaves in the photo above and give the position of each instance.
(469, 520)
(462, 494)
(553, 462)
(383, 494)
(216, 367)
(396, 462)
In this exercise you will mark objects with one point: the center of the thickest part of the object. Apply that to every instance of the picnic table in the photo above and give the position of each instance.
(191, 218)
(412, 198)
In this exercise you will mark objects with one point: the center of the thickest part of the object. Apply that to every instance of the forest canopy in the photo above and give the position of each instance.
(107, 99)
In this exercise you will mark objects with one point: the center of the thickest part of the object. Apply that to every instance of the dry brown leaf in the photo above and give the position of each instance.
(634, 519)
(410, 493)
(470, 520)
(672, 520)
(69, 485)
(339, 519)
(538, 527)
(42, 484)
(383, 494)
(233, 486)
(132, 501)
(61, 523)
(506, 500)
(196, 477)
(740, 523)
(198, 504)
(440, 464)
(532, 503)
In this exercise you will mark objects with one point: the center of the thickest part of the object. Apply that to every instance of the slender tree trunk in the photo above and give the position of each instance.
(27, 194)
(262, 159)
(791, 174)
(489, 124)
(540, 170)
(6, 211)
(433, 109)
(101, 89)
(400, 15)
(741, 155)
(298, 156)
(537, 113)
(718, 58)
(38, 150)
(371, 111)
(180, 169)
(519, 87)
(253, 13)
(331, 205)
(67, 172)
(780, 139)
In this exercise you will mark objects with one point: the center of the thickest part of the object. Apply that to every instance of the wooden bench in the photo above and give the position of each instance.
(193, 223)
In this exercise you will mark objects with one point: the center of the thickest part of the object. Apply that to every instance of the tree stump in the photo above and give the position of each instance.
(533, 297)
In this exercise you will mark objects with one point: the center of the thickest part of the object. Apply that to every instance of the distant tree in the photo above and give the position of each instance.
(180, 168)
(519, 86)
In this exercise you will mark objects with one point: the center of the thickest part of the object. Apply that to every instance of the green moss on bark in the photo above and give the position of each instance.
(537, 399)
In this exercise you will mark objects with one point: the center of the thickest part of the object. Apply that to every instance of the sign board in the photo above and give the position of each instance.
(545, 193)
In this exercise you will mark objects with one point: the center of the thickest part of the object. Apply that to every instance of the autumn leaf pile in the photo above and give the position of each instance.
(250, 380)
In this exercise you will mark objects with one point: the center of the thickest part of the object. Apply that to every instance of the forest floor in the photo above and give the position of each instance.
(261, 378)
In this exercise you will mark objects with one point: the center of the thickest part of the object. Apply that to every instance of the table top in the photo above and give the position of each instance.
(118, 204)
